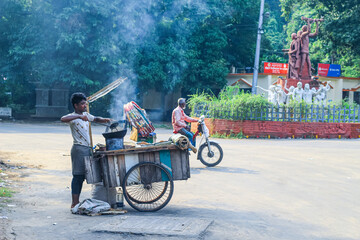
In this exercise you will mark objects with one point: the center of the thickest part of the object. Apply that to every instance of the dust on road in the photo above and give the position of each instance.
(263, 189)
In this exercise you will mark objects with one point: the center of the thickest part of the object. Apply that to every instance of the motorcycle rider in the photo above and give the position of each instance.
(179, 119)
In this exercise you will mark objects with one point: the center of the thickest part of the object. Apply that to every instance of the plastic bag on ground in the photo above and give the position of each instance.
(90, 206)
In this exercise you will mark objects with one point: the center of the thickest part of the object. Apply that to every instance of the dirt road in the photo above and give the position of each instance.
(263, 189)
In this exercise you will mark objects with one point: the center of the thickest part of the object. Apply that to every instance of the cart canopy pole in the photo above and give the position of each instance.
(100, 94)
(90, 133)
(105, 90)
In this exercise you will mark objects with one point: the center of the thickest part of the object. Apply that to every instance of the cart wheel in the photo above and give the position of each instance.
(161, 193)
(213, 157)
(148, 187)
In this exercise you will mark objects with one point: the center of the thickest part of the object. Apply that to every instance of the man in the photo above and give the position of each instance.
(178, 120)
(304, 39)
(308, 94)
(79, 125)
(298, 92)
(281, 95)
(321, 94)
(293, 56)
(290, 94)
(298, 53)
(272, 94)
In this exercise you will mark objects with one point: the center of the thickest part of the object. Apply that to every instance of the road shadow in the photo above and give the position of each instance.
(223, 170)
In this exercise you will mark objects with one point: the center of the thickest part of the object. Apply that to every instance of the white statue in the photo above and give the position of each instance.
(315, 92)
(321, 94)
(281, 95)
(272, 94)
(298, 92)
(308, 93)
(290, 94)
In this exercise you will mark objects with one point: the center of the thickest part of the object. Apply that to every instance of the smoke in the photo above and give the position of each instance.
(135, 25)
(124, 93)
(138, 22)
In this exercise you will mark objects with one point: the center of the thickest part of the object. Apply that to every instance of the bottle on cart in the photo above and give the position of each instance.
(119, 198)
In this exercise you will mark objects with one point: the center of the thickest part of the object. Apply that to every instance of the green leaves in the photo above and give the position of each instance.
(231, 102)
(160, 44)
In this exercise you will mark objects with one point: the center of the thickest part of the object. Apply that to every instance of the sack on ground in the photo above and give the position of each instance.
(90, 206)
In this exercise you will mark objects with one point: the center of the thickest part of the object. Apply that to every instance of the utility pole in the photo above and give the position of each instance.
(257, 52)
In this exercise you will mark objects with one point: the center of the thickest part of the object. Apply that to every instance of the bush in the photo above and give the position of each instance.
(231, 102)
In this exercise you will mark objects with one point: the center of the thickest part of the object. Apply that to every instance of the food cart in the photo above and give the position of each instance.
(146, 174)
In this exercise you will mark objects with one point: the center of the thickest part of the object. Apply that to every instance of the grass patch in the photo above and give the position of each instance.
(231, 135)
(5, 192)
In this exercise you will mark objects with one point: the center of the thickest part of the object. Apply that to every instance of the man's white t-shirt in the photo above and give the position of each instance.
(80, 129)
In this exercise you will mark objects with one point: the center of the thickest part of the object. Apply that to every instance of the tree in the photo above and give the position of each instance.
(15, 54)
(157, 44)
(196, 45)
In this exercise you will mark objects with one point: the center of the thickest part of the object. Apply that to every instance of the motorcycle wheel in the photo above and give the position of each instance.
(213, 157)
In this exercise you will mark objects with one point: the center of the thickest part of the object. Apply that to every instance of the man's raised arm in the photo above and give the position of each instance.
(69, 118)
(316, 31)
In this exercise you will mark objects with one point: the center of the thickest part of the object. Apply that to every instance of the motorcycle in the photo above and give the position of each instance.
(210, 153)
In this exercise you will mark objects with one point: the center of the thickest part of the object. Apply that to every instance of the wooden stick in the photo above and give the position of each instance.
(90, 133)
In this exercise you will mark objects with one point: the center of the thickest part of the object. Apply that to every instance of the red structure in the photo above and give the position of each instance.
(277, 129)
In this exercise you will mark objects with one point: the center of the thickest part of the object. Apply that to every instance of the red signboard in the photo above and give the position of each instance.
(323, 69)
(329, 70)
(277, 68)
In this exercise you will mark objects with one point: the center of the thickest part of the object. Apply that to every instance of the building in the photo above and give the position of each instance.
(51, 102)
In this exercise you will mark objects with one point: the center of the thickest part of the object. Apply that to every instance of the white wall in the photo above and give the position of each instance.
(335, 94)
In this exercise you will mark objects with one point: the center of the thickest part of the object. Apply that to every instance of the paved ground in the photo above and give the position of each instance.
(263, 189)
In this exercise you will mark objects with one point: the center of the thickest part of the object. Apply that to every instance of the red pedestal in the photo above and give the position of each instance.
(305, 73)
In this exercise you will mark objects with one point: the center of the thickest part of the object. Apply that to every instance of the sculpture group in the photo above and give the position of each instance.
(299, 50)
(299, 70)
(277, 96)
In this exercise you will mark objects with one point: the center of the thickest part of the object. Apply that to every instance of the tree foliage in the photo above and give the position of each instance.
(163, 44)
